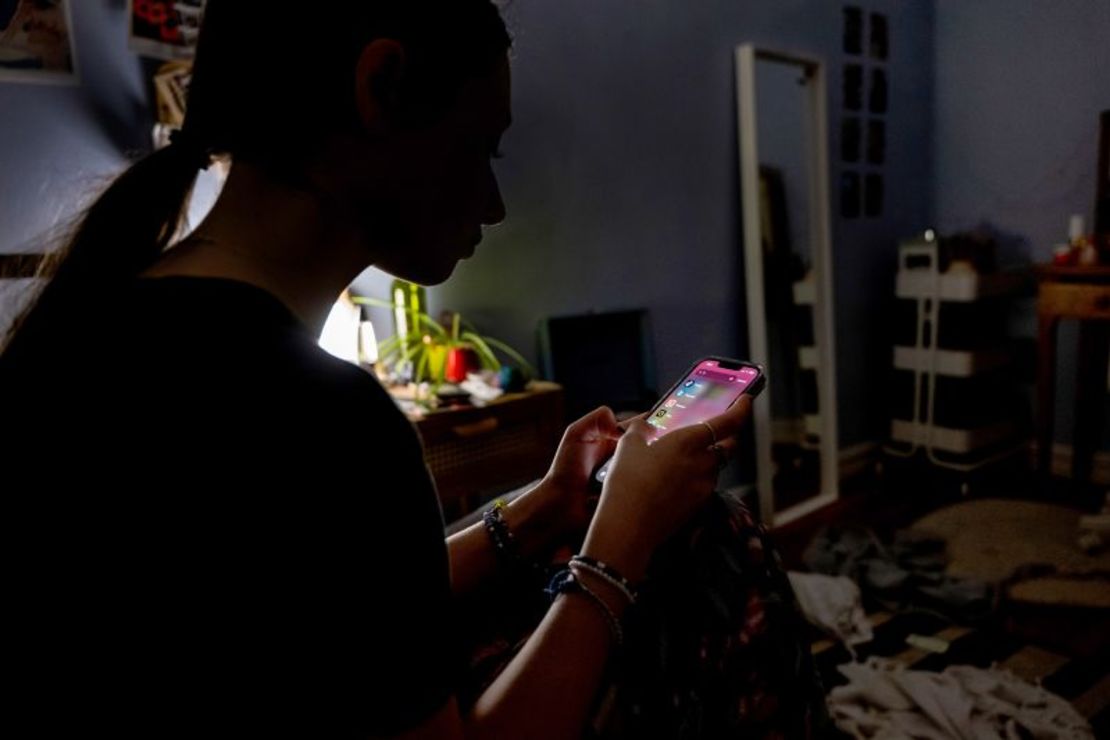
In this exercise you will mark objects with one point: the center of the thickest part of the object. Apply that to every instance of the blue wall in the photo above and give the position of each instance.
(621, 171)
(1019, 85)
(621, 178)
(60, 142)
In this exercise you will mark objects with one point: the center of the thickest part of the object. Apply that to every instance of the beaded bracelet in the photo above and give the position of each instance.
(565, 582)
(607, 573)
(504, 543)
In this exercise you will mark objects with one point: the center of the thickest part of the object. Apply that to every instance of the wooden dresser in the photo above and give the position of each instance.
(476, 452)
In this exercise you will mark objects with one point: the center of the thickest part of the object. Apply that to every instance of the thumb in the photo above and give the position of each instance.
(605, 421)
(639, 429)
(600, 423)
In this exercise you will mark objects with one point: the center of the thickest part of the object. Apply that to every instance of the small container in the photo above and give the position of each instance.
(1063, 255)
(1076, 229)
(460, 361)
(1088, 255)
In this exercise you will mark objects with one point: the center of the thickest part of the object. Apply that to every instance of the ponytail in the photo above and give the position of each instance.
(121, 234)
(310, 97)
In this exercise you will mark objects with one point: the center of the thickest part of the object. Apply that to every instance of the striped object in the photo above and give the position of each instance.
(1084, 681)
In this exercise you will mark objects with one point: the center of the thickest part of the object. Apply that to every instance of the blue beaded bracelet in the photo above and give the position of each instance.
(504, 544)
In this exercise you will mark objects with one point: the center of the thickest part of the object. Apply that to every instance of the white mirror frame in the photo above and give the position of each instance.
(821, 250)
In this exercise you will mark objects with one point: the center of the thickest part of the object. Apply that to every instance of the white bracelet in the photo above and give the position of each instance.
(624, 589)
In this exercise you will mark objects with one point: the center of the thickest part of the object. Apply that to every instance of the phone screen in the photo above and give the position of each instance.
(706, 391)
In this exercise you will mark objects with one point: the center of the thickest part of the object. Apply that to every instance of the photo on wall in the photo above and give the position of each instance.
(36, 42)
(165, 29)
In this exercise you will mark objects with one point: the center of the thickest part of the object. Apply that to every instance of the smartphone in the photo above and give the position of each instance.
(708, 388)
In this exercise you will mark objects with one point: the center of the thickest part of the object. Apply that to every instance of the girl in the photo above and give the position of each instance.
(231, 532)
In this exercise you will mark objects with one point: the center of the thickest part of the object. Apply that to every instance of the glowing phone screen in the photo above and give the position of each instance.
(706, 392)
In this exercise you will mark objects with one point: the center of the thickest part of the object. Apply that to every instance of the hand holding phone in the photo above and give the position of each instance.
(708, 388)
(659, 481)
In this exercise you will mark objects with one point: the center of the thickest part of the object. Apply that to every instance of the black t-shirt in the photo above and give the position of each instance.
(214, 527)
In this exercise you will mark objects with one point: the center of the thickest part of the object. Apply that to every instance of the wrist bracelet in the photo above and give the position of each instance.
(619, 584)
(565, 582)
(504, 544)
(608, 573)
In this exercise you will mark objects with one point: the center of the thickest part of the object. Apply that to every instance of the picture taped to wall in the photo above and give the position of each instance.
(166, 29)
(36, 42)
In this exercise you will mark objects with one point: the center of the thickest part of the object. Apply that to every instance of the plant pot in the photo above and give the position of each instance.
(460, 361)
(437, 358)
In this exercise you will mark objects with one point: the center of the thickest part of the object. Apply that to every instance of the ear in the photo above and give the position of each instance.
(378, 76)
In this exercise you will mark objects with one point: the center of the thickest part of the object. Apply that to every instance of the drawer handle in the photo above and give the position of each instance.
(478, 428)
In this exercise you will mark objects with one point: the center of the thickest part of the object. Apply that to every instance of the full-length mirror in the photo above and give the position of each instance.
(788, 268)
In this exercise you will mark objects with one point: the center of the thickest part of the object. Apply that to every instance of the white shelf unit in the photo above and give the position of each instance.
(958, 285)
(920, 281)
(950, 362)
(946, 439)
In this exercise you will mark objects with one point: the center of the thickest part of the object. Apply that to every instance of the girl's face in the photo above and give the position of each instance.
(439, 189)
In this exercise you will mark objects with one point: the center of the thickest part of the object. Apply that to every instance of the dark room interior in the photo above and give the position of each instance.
(579, 369)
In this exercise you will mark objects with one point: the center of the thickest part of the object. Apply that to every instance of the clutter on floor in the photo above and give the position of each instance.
(832, 604)
(909, 572)
(883, 699)
(944, 659)
(930, 644)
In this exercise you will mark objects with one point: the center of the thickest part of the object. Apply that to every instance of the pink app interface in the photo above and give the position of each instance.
(706, 392)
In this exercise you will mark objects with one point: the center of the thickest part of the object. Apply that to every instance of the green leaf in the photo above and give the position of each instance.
(485, 354)
(434, 325)
(360, 300)
(388, 346)
(411, 351)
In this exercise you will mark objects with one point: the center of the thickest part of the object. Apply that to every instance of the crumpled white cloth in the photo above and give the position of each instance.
(833, 605)
(481, 390)
(884, 701)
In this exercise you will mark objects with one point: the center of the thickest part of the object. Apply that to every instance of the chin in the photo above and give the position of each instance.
(428, 274)
(417, 264)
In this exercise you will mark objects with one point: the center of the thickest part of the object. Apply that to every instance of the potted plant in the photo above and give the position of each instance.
(438, 354)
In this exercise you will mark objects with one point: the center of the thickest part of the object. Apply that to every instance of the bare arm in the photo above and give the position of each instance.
(535, 527)
(546, 692)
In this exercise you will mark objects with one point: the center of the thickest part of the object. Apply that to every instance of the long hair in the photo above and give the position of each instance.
(269, 86)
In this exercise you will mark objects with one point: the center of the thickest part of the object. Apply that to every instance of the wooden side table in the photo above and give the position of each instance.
(1081, 293)
(475, 451)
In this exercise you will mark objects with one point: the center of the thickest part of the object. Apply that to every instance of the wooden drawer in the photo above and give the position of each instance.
(1074, 300)
(479, 451)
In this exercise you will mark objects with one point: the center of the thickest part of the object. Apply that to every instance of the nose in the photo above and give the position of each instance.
(495, 205)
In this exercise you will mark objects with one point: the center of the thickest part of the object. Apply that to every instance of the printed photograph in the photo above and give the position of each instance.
(36, 44)
(166, 29)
